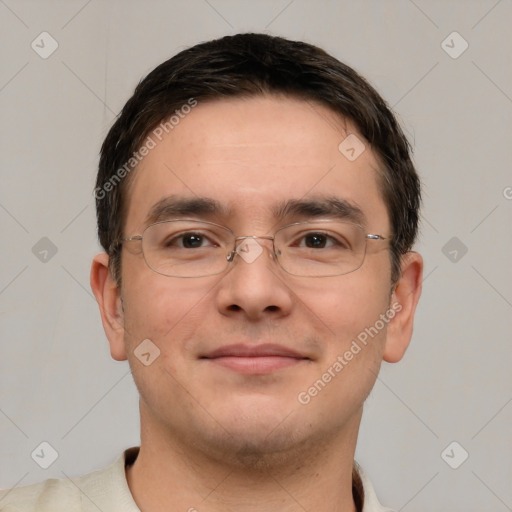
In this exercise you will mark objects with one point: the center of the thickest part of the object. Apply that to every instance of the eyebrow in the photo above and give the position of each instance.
(174, 206)
(331, 207)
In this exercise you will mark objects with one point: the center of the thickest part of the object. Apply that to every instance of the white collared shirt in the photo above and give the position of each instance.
(106, 490)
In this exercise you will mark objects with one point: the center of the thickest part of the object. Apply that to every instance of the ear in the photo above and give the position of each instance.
(404, 300)
(108, 297)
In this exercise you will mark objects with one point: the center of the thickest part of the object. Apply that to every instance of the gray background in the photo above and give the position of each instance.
(57, 381)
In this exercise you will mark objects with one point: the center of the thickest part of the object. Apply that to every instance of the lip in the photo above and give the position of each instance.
(255, 359)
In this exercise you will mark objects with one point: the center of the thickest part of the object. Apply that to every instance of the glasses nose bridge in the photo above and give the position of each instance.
(263, 237)
(239, 239)
(255, 237)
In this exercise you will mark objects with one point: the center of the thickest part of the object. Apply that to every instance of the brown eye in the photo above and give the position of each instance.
(187, 241)
(315, 240)
(192, 241)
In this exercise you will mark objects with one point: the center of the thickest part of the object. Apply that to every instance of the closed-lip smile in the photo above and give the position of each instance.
(255, 359)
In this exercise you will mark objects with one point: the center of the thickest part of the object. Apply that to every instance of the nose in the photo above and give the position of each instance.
(255, 286)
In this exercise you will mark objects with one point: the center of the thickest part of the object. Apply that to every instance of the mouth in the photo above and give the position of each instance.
(255, 360)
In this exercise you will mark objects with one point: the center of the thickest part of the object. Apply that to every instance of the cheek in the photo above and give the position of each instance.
(345, 305)
(354, 335)
(168, 315)
(162, 309)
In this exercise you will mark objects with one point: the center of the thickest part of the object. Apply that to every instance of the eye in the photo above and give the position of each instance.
(316, 240)
(192, 240)
(188, 241)
(319, 240)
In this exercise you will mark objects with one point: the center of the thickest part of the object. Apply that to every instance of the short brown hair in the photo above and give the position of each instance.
(245, 65)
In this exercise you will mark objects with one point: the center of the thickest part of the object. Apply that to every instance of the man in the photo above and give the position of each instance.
(257, 205)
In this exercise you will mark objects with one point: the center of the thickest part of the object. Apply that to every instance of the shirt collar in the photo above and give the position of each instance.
(363, 490)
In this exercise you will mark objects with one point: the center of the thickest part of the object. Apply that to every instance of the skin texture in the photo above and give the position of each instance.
(212, 438)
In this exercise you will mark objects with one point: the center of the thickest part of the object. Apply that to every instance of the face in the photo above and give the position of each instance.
(248, 357)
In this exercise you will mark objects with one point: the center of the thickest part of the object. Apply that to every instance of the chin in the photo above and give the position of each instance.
(258, 435)
(254, 448)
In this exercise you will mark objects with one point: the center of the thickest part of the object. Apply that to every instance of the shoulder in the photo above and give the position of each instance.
(105, 489)
(371, 503)
(53, 495)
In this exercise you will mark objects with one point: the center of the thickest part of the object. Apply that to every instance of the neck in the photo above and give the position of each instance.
(170, 476)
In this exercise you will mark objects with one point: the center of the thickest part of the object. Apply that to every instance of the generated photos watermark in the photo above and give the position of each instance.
(150, 143)
(361, 341)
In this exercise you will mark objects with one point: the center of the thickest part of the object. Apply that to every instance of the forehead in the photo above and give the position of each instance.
(253, 154)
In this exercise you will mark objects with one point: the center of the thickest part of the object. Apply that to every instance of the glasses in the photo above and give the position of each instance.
(192, 248)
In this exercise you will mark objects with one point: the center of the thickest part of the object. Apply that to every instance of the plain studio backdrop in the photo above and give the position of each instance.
(436, 429)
